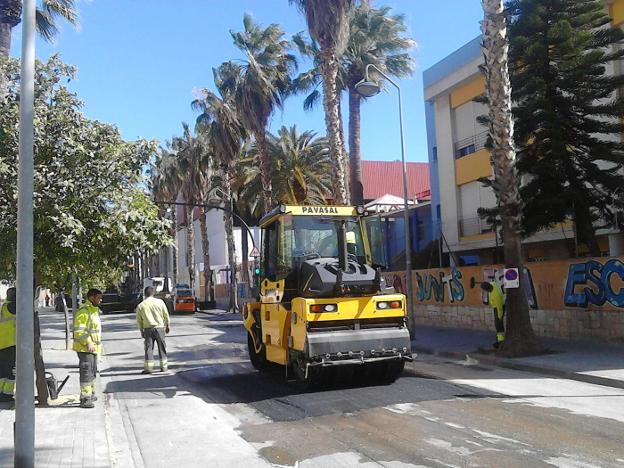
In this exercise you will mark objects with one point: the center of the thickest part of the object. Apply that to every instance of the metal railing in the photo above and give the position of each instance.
(470, 145)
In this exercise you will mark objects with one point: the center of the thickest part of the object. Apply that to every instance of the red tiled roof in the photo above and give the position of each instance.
(382, 177)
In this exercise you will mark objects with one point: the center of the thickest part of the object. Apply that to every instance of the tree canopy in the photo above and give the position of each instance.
(568, 112)
(91, 211)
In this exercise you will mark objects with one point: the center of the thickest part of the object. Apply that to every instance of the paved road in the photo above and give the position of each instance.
(214, 409)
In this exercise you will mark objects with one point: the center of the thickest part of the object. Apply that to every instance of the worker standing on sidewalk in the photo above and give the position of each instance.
(496, 300)
(7, 347)
(87, 343)
(153, 321)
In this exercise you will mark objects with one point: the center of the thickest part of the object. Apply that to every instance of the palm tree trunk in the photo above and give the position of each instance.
(5, 39)
(520, 339)
(174, 247)
(190, 245)
(355, 162)
(265, 171)
(342, 138)
(329, 69)
(245, 255)
(206, 252)
(229, 232)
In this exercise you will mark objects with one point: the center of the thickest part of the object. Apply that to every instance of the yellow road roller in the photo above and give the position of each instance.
(323, 310)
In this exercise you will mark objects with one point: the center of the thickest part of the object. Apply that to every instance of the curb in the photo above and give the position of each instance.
(508, 363)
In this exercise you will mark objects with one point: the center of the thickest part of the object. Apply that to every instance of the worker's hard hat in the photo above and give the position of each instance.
(351, 237)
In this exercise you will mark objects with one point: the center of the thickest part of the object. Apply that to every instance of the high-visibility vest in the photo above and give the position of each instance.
(496, 297)
(87, 328)
(7, 327)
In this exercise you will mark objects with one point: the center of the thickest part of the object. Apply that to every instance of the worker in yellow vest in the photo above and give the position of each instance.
(496, 300)
(7, 346)
(153, 321)
(87, 343)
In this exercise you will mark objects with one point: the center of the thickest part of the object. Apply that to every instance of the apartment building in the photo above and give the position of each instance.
(458, 158)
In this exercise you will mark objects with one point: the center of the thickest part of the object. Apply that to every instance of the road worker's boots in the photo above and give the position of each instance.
(164, 365)
(86, 402)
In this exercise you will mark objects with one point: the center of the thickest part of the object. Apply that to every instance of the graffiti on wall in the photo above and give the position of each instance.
(591, 282)
(436, 286)
(585, 283)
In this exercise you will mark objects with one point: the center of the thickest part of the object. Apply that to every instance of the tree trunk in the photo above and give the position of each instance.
(329, 69)
(520, 339)
(584, 231)
(174, 248)
(190, 245)
(245, 255)
(74, 292)
(5, 39)
(229, 232)
(265, 171)
(67, 324)
(355, 162)
(206, 252)
(42, 387)
(345, 156)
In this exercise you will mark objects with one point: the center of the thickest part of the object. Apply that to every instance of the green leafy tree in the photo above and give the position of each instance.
(261, 85)
(90, 213)
(520, 339)
(328, 25)
(568, 110)
(46, 17)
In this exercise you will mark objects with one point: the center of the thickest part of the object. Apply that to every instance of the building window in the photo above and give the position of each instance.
(434, 153)
(438, 212)
(465, 151)
(471, 144)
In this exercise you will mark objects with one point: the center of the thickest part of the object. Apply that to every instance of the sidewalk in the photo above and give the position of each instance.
(66, 435)
(596, 363)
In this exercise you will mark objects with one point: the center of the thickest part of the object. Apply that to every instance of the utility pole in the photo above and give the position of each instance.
(25, 365)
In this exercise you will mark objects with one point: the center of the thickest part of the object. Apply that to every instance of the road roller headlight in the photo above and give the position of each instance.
(323, 308)
(382, 305)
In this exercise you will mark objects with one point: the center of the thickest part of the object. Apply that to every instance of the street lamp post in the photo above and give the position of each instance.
(368, 88)
(24, 455)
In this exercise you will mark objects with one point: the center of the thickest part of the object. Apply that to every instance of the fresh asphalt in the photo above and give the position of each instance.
(214, 409)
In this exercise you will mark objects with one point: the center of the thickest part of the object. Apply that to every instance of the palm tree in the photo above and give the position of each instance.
(262, 84)
(301, 165)
(165, 183)
(47, 14)
(191, 163)
(520, 339)
(220, 120)
(328, 25)
(376, 37)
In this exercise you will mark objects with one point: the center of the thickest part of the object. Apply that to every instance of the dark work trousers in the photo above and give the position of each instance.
(151, 335)
(7, 371)
(88, 370)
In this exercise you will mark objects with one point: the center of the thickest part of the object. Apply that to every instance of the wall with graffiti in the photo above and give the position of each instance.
(596, 284)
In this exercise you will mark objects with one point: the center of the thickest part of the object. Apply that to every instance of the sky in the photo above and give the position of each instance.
(141, 62)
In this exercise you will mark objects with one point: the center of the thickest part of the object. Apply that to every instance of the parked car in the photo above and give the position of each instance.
(119, 302)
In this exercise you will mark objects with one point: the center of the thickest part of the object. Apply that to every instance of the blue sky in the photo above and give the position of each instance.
(139, 62)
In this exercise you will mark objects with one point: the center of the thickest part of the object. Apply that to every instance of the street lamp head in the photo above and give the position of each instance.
(367, 88)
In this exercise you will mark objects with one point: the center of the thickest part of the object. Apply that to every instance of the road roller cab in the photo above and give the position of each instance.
(323, 303)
